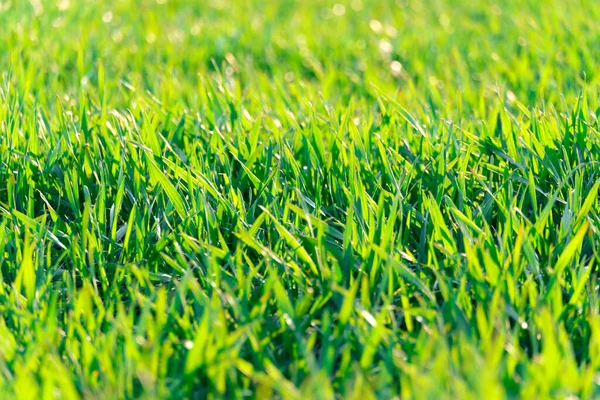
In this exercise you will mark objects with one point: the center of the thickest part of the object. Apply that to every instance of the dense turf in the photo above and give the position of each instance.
(299, 199)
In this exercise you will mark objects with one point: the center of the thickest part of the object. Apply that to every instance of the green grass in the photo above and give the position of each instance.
(299, 199)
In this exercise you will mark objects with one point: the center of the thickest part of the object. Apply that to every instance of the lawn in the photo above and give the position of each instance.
(299, 199)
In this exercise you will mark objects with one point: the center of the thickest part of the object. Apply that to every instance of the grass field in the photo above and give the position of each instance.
(299, 199)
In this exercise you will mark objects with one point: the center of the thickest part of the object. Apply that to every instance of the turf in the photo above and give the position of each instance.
(299, 199)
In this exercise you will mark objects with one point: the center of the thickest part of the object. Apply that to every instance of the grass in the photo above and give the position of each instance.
(299, 199)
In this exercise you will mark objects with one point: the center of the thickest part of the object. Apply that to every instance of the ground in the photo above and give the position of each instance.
(299, 199)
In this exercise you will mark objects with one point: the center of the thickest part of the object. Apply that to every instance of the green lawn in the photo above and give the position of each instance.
(299, 199)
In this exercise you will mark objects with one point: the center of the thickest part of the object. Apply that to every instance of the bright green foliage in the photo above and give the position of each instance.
(299, 199)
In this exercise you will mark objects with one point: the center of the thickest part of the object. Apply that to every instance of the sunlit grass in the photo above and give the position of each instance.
(299, 199)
